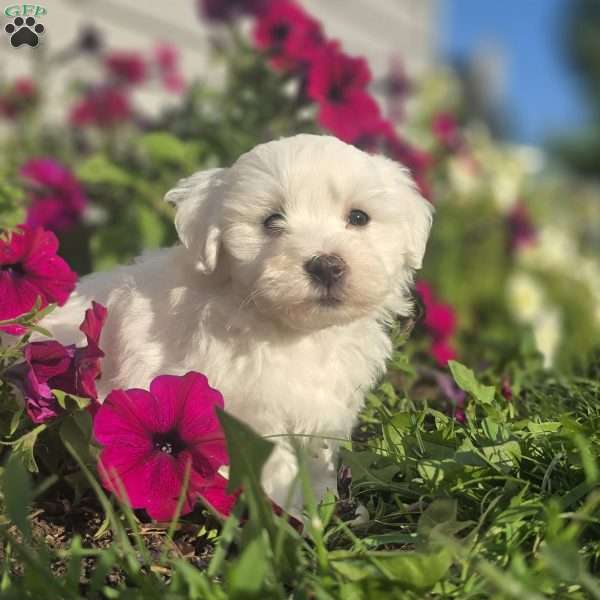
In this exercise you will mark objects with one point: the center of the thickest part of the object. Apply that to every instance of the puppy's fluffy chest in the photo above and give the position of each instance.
(306, 384)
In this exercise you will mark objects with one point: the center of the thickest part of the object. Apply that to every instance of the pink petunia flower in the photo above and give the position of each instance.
(150, 438)
(288, 34)
(445, 129)
(166, 57)
(440, 323)
(373, 134)
(49, 365)
(104, 107)
(337, 82)
(57, 200)
(127, 68)
(442, 351)
(31, 271)
(18, 97)
(440, 320)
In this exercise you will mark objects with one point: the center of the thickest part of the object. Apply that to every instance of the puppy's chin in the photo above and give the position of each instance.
(317, 309)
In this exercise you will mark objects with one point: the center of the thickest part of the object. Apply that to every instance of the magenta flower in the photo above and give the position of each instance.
(167, 61)
(440, 323)
(521, 229)
(104, 107)
(506, 389)
(57, 198)
(446, 131)
(149, 439)
(442, 351)
(440, 320)
(49, 365)
(31, 271)
(288, 34)
(374, 132)
(337, 83)
(127, 68)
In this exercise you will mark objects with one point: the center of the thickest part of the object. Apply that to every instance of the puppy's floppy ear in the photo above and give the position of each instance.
(418, 212)
(197, 220)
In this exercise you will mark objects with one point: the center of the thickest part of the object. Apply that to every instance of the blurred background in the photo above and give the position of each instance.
(493, 106)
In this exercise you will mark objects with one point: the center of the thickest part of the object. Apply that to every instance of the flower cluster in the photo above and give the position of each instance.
(440, 322)
(153, 440)
(338, 83)
(51, 366)
(18, 97)
(31, 274)
(103, 106)
(57, 200)
(108, 103)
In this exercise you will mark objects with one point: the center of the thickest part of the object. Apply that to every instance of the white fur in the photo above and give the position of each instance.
(234, 302)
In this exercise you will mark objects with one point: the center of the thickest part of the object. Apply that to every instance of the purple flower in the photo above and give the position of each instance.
(150, 438)
(50, 365)
(57, 198)
(521, 229)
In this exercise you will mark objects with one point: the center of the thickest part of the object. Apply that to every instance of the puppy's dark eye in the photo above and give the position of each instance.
(358, 218)
(274, 222)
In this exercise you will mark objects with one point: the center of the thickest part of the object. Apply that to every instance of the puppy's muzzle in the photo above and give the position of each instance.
(326, 270)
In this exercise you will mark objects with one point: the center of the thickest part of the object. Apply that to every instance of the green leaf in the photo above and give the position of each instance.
(17, 491)
(23, 447)
(62, 397)
(164, 149)
(100, 170)
(415, 570)
(76, 430)
(248, 451)
(246, 576)
(15, 421)
(465, 379)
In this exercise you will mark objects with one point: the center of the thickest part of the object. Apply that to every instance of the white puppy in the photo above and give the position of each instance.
(293, 263)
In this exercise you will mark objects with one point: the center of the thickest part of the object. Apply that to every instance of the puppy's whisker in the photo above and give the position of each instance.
(246, 301)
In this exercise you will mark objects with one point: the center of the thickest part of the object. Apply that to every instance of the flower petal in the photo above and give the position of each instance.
(184, 399)
(211, 453)
(128, 469)
(18, 297)
(198, 417)
(126, 418)
(93, 322)
(167, 477)
(215, 496)
(48, 359)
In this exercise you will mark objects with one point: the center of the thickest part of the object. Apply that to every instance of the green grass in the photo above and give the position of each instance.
(504, 506)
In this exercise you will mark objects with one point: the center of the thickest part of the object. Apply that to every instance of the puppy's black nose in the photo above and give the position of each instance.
(326, 269)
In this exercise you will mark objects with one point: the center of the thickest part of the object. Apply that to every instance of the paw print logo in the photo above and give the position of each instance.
(24, 31)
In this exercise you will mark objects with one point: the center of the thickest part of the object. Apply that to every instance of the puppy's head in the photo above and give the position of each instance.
(314, 232)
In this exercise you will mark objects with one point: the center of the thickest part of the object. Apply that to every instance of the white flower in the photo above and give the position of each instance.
(554, 249)
(462, 176)
(547, 333)
(525, 297)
